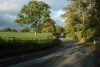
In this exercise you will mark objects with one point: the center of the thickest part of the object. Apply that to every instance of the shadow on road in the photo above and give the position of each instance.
(68, 54)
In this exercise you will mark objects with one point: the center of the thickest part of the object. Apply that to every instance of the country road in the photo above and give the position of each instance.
(69, 55)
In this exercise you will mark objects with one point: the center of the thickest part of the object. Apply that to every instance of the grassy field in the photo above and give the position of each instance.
(14, 44)
(25, 36)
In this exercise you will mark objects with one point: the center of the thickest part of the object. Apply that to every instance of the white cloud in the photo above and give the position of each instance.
(5, 6)
(57, 4)
(57, 9)
(10, 8)
(56, 15)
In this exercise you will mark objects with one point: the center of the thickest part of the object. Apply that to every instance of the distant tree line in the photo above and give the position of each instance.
(47, 28)
(13, 30)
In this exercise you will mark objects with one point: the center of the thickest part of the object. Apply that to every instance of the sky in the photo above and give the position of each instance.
(10, 8)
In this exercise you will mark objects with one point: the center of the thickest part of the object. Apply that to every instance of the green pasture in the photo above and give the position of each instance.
(26, 36)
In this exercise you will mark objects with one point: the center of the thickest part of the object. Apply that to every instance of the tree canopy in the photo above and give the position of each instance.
(33, 14)
(48, 26)
(82, 20)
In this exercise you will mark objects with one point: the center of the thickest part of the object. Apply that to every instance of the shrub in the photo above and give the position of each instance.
(14, 30)
(23, 30)
(5, 30)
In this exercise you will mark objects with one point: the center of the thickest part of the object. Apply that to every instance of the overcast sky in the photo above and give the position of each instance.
(10, 8)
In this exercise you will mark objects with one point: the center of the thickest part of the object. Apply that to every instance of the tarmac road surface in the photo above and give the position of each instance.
(70, 55)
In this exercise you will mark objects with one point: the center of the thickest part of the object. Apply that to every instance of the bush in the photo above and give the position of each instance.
(14, 30)
(23, 30)
(5, 30)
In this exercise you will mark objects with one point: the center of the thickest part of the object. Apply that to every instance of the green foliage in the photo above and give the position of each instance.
(14, 30)
(33, 14)
(5, 29)
(48, 26)
(23, 30)
(82, 20)
(59, 29)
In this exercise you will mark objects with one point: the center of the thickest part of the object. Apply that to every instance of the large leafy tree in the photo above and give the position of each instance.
(48, 26)
(83, 19)
(33, 14)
